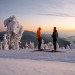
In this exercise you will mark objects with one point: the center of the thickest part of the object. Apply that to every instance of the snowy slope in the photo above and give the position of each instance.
(64, 55)
(34, 67)
(30, 62)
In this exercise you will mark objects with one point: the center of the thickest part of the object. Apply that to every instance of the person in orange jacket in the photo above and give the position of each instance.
(39, 38)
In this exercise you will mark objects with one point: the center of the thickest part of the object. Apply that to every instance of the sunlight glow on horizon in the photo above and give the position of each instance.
(40, 13)
(44, 29)
(47, 24)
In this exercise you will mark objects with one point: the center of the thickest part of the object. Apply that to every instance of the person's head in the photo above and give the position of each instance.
(54, 28)
(39, 28)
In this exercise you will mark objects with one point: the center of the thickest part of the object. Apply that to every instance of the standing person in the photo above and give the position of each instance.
(54, 36)
(39, 38)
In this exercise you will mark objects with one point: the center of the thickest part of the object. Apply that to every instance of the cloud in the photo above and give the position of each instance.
(64, 8)
(59, 14)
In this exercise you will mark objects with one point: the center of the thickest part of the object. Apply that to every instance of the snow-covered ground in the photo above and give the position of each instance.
(31, 62)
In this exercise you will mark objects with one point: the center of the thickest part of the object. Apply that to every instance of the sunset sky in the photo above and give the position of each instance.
(44, 13)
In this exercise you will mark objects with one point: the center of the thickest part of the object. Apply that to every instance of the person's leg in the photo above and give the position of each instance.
(38, 44)
(55, 45)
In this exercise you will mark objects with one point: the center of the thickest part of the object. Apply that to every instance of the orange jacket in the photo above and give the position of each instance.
(39, 34)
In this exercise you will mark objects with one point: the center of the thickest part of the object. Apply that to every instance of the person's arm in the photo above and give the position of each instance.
(57, 34)
(40, 35)
(52, 35)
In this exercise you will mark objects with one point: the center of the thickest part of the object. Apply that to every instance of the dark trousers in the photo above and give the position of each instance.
(54, 43)
(39, 44)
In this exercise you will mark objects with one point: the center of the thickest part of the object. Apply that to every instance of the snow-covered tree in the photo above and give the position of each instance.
(52, 47)
(26, 45)
(67, 47)
(5, 42)
(36, 47)
(0, 45)
(62, 47)
(14, 32)
(42, 45)
(72, 45)
(57, 46)
(31, 45)
(46, 46)
(49, 45)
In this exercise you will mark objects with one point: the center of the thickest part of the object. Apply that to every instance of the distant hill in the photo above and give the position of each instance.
(1, 35)
(31, 36)
(71, 38)
(27, 37)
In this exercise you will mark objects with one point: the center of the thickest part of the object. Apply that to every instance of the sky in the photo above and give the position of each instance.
(40, 13)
